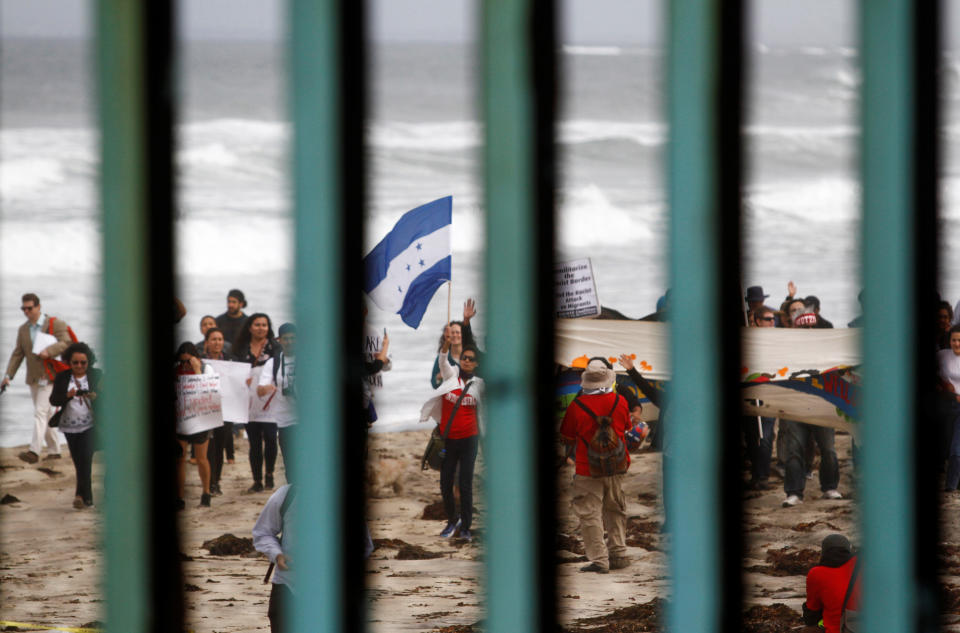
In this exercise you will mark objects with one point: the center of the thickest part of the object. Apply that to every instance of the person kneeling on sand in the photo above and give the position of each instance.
(593, 428)
(833, 588)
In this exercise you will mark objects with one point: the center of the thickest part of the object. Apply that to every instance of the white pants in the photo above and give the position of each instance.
(42, 410)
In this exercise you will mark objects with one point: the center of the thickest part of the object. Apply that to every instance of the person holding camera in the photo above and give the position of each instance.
(279, 381)
(74, 390)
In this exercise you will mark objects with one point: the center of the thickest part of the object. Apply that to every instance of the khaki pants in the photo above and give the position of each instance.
(600, 505)
(42, 411)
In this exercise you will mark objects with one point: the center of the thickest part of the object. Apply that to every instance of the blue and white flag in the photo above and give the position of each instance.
(403, 271)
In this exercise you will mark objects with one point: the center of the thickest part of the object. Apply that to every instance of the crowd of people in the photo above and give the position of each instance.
(596, 428)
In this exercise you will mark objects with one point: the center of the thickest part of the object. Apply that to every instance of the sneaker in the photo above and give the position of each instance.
(215, 490)
(268, 481)
(29, 456)
(450, 529)
(51, 456)
(256, 487)
(619, 562)
(466, 535)
(594, 567)
(204, 500)
(78, 502)
(832, 494)
(792, 500)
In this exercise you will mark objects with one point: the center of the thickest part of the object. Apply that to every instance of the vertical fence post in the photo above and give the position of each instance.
(702, 498)
(899, 163)
(518, 51)
(144, 587)
(327, 64)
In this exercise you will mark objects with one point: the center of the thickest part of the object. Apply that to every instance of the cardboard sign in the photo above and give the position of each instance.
(234, 393)
(576, 290)
(198, 403)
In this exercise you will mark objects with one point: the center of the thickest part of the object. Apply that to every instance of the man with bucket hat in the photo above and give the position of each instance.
(593, 428)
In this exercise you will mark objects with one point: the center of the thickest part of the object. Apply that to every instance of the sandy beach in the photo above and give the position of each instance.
(50, 562)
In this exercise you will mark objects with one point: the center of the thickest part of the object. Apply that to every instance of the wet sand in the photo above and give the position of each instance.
(50, 562)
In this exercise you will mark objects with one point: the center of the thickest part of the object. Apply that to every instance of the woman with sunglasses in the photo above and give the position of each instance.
(455, 407)
(75, 389)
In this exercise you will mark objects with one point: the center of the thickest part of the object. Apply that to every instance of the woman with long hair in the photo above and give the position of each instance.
(222, 436)
(256, 345)
(187, 363)
(75, 389)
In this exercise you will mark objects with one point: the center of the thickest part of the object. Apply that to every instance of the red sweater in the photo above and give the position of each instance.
(826, 587)
(580, 428)
(465, 421)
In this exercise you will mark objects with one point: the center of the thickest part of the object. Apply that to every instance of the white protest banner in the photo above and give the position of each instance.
(234, 393)
(372, 341)
(575, 290)
(257, 404)
(198, 403)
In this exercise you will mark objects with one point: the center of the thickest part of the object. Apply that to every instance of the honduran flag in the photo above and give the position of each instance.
(404, 270)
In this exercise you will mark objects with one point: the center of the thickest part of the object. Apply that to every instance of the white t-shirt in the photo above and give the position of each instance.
(78, 414)
(282, 409)
(949, 367)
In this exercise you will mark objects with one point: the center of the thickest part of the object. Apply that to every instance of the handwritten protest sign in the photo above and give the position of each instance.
(234, 393)
(576, 290)
(198, 403)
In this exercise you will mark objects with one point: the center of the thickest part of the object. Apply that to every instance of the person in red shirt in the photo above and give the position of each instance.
(827, 585)
(458, 420)
(598, 501)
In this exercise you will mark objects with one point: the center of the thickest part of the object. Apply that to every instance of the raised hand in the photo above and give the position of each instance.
(469, 310)
(626, 361)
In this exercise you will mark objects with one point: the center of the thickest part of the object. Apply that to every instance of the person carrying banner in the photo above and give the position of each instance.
(74, 390)
(278, 383)
(256, 345)
(597, 420)
(455, 407)
(188, 363)
(40, 372)
(214, 348)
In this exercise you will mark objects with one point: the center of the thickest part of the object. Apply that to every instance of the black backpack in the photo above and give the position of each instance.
(606, 452)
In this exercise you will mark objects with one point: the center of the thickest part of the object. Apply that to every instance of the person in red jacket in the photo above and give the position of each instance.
(598, 500)
(827, 584)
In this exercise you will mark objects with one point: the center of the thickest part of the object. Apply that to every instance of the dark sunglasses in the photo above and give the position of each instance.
(767, 318)
(27, 308)
(472, 359)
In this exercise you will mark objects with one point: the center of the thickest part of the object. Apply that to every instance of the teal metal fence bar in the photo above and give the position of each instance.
(694, 467)
(315, 67)
(511, 273)
(888, 342)
(123, 409)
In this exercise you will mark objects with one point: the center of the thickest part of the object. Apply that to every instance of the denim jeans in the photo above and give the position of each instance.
(463, 452)
(795, 436)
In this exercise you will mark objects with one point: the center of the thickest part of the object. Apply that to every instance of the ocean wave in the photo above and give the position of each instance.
(606, 51)
(587, 217)
(822, 200)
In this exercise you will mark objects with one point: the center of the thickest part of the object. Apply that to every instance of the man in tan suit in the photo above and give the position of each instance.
(40, 383)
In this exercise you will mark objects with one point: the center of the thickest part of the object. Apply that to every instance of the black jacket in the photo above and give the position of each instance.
(61, 385)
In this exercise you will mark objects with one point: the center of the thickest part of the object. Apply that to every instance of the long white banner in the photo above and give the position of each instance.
(234, 393)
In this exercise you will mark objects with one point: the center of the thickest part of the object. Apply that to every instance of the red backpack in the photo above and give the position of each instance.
(51, 365)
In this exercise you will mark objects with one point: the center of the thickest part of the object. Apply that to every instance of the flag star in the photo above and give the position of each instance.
(419, 246)
(421, 263)
(408, 267)
(399, 289)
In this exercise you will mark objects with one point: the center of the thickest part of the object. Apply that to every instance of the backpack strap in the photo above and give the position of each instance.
(456, 406)
(277, 361)
(593, 415)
